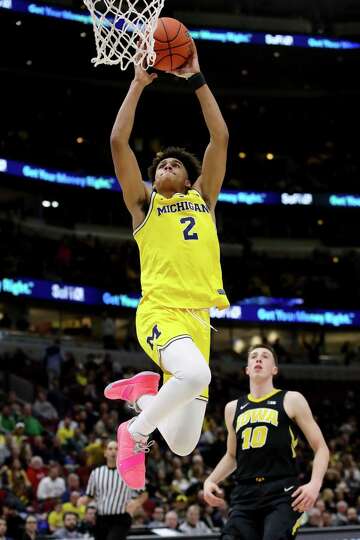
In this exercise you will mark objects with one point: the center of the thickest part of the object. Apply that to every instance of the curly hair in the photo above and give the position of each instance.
(190, 162)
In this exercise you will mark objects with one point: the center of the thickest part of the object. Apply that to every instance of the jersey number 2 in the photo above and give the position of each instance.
(190, 221)
(254, 437)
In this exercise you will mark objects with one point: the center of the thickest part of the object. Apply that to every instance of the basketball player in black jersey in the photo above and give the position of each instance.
(267, 501)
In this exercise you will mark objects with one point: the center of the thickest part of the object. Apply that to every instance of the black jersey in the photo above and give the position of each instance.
(266, 438)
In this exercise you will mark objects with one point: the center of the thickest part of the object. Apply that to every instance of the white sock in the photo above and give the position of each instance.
(191, 375)
(181, 429)
(144, 401)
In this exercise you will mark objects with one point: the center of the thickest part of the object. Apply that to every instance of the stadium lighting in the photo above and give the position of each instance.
(46, 204)
(238, 345)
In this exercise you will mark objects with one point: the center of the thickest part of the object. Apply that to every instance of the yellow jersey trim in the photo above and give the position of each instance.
(147, 214)
(294, 442)
(297, 525)
(262, 398)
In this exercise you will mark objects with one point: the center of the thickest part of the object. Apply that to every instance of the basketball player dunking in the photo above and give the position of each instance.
(174, 227)
(267, 501)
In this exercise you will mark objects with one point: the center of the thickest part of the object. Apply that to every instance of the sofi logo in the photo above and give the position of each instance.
(67, 292)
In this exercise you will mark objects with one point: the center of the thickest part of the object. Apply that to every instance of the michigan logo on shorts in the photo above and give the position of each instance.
(155, 334)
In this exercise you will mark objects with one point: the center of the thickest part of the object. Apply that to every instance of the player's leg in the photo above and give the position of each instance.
(190, 375)
(242, 525)
(281, 522)
(181, 429)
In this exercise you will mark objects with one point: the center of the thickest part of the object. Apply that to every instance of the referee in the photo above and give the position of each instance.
(115, 501)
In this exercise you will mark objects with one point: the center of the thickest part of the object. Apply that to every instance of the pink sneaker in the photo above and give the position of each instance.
(146, 382)
(130, 459)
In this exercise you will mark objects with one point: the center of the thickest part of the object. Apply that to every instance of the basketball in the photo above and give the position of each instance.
(173, 44)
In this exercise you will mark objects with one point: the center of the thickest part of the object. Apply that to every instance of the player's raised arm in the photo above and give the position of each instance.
(214, 162)
(227, 464)
(126, 166)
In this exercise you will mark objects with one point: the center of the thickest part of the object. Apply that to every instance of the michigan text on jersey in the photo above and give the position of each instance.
(182, 207)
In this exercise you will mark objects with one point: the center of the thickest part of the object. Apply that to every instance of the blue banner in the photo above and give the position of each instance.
(289, 313)
(206, 34)
(109, 183)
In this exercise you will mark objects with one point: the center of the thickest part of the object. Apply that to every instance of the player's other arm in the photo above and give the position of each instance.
(226, 465)
(298, 409)
(214, 162)
(126, 166)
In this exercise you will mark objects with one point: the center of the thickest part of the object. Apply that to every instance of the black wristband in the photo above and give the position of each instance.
(196, 81)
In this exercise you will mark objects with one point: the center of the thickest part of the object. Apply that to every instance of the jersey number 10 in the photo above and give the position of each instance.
(190, 224)
(254, 437)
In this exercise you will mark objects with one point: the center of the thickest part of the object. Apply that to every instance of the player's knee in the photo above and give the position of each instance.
(201, 377)
(182, 447)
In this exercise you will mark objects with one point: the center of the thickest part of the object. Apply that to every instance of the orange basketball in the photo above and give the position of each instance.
(172, 44)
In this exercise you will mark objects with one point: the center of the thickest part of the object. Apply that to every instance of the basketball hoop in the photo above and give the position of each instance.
(124, 31)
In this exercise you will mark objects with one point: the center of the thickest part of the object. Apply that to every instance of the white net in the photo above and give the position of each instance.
(124, 31)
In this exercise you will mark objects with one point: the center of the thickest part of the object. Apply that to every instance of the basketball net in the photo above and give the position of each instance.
(124, 31)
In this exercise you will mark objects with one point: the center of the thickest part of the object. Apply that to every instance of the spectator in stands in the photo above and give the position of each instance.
(19, 483)
(13, 520)
(32, 424)
(66, 430)
(352, 517)
(18, 436)
(55, 517)
(192, 524)
(3, 529)
(7, 420)
(180, 505)
(35, 472)
(157, 517)
(320, 504)
(72, 484)
(88, 523)
(180, 483)
(43, 409)
(40, 449)
(341, 514)
(73, 506)
(328, 519)
(51, 486)
(53, 360)
(328, 497)
(30, 532)
(172, 520)
(70, 528)
(5, 446)
(108, 332)
(314, 518)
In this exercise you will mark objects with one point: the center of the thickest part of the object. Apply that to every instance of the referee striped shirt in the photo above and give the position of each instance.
(109, 491)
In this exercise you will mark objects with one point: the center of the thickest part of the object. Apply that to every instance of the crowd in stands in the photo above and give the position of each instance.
(49, 445)
(321, 279)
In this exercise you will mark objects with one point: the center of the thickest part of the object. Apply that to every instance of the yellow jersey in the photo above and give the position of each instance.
(180, 253)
